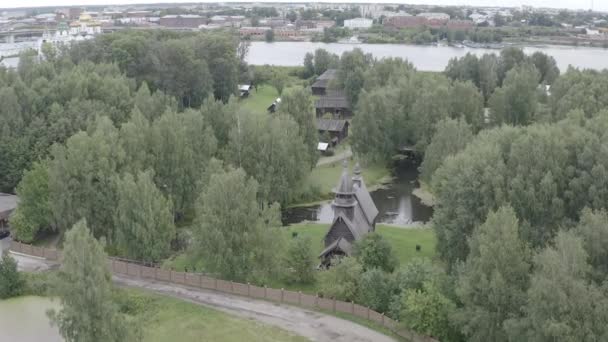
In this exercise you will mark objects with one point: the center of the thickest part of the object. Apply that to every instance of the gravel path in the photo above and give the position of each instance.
(335, 158)
(310, 324)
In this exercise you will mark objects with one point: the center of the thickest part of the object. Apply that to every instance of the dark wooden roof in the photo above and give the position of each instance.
(8, 203)
(331, 125)
(324, 79)
(340, 244)
(333, 99)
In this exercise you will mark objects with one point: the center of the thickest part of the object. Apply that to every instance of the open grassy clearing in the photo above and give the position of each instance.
(259, 101)
(170, 319)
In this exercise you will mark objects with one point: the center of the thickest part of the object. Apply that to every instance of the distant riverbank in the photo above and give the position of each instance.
(424, 57)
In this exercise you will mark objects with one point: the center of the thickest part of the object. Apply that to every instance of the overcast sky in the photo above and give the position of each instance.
(601, 5)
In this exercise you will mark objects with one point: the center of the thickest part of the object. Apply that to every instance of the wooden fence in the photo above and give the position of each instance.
(134, 269)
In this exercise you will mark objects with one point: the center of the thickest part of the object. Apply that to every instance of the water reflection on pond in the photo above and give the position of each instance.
(395, 202)
(24, 319)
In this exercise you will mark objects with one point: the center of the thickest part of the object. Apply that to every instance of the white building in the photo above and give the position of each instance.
(358, 23)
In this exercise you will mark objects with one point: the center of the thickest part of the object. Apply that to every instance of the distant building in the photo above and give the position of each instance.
(459, 24)
(337, 129)
(354, 216)
(399, 22)
(435, 16)
(189, 20)
(322, 82)
(258, 31)
(334, 103)
(85, 25)
(8, 203)
(358, 23)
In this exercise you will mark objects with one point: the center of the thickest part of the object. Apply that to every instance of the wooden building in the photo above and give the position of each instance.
(335, 103)
(321, 84)
(337, 129)
(8, 203)
(354, 216)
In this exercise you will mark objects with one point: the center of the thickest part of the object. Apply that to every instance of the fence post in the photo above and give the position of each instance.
(200, 281)
(282, 294)
(352, 307)
(215, 284)
(316, 300)
(383, 319)
(300, 297)
(248, 290)
(155, 273)
(139, 270)
(112, 265)
(368, 313)
(265, 292)
(231, 287)
(171, 275)
(334, 304)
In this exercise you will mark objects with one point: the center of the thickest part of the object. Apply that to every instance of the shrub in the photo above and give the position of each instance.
(300, 261)
(11, 282)
(373, 251)
(341, 281)
(376, 289)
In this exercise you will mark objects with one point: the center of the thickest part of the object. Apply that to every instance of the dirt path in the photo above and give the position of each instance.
(312, 325)
(336, 158)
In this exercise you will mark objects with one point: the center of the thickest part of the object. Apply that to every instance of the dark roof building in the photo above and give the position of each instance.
(8, 203)
(335, 102)
(321, 84)
(354, 215)
(337, 129)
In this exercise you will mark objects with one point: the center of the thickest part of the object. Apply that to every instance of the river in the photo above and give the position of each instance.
(395, 202)
(23, 319)
(425, 58)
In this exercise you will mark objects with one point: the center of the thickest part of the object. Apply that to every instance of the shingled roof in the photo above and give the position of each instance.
(331, 125)
(332, 101)
(8, 203)
(324, 79)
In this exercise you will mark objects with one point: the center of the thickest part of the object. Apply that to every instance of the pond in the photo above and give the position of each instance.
(395, 202)
(24, 319)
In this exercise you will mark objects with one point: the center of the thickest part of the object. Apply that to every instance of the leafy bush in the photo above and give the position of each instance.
(373, 251)
(300, 261)
(341, 281)
(376, 289)
(11, 282)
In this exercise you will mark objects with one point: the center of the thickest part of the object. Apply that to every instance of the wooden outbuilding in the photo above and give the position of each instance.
(8, 203)
(321, 84)
(335, 103)
(337, 129)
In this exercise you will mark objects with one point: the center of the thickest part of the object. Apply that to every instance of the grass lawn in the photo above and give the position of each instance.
(402, 240)
(170, 319)
(326, 177)
(259, 101)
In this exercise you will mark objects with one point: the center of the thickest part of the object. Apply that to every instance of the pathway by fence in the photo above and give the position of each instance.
(120, 266)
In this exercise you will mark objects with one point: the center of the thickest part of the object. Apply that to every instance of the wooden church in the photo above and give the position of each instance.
(354, 215)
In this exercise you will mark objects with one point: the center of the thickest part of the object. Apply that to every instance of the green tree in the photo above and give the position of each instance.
(492, 282)
(278, 81)
(451, 136)
(516, 101)
(84, 288)
(323, 60)
(234, 235)
(34, 210)
(427, 311)
(309, 66)
(298, 104)
(376, 289)
(11, 282)
(593, 229)
(546, 66)
(143, 219)
(374, 251)
(300, 261)
(467, 102)
(269, 36)
(341, 281)
(562, 305)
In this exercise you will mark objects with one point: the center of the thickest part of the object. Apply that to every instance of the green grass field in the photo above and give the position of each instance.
(402, 240)
(259, 101)
(170, 319)
(324, 178)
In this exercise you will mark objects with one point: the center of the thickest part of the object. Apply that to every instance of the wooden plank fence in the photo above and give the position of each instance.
(134, 269)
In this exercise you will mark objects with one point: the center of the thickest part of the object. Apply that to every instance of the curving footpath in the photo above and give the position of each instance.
(310, 324)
